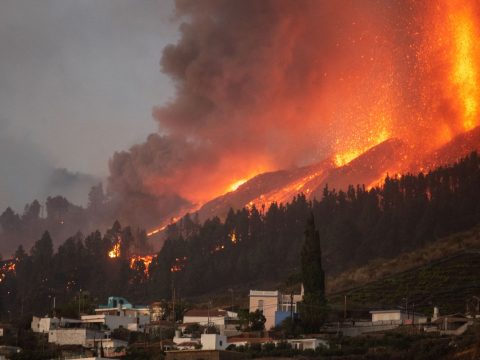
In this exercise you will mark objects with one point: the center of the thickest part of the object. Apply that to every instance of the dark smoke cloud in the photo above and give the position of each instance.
(269, 84)
(250, 78)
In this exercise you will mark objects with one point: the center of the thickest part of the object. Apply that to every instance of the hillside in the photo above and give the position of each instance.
(368, 169)
(450, 152)
(443, 274)
(262, 246)
(406, 261)
(392, 156)
(281, 186)
(265, 188)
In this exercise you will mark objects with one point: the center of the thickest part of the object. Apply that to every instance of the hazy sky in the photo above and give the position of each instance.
(78, 80)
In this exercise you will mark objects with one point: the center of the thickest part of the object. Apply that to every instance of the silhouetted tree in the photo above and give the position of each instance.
(312, 310)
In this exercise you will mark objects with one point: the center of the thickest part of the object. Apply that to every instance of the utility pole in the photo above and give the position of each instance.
(345, 308)
(406, 307)
(173, 306)
(208, 320)
(291, 312)
(291, 306)
(231, 290)
(79, 300)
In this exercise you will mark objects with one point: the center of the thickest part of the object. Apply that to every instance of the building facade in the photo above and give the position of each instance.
(274, 305)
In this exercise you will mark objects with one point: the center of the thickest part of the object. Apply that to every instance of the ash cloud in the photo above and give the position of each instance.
(250, 81)
(262, 85)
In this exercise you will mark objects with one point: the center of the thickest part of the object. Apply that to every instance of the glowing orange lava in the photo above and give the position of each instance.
(237, 184)
(163, 227)
(464, 74)
(343, 158)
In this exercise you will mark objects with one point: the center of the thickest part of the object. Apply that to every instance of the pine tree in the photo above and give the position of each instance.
(313, 307)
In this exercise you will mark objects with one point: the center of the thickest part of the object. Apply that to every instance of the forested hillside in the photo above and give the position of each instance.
(355, 226)
(252, 245)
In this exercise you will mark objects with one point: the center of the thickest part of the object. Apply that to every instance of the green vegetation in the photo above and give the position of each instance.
(447, 283)
(380, 268)
(393, 345)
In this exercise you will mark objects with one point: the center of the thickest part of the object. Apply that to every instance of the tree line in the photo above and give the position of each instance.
(355, 226)
(251, 246)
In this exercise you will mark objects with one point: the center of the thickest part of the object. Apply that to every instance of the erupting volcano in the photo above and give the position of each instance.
(336, 93)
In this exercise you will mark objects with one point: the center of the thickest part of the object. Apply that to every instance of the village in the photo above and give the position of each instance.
(117, 328)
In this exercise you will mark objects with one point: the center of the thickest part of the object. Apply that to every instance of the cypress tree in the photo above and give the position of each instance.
(313, 307)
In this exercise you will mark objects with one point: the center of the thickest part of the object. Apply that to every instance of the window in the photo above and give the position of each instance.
(220, 342)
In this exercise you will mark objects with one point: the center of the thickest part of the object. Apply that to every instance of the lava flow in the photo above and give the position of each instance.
(163, 227)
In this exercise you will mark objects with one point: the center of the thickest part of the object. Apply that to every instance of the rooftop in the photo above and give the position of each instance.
(264, 293)
(206, 313)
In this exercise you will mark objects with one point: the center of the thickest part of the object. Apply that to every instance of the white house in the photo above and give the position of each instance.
(308, 344)
(213, 342)
(178, 340)
(398, 316)
(110, 347)
(75, 336)
(207, 317)
(118, 311)
(45, 324)
(116, 321)
(274, 305)
(87, 338)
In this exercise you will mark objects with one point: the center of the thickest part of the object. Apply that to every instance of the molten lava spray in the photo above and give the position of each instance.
(464, 52)
(262, 85)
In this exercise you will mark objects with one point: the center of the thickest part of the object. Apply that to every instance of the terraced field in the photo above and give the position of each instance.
(447, 283)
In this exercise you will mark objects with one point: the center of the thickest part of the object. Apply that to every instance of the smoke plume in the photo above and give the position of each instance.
(262, 85)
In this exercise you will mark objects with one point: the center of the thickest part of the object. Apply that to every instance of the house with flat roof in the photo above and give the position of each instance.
(118, 312)
(225, 321)
(397, 315)
(274, 305)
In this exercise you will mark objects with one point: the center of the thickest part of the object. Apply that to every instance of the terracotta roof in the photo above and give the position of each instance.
(205, 313)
